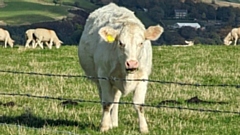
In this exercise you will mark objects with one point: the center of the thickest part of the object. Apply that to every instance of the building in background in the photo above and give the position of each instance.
(180, 13)
(180, 25)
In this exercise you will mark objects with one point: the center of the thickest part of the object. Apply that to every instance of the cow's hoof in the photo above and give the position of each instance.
(104, 129)
(144, 130)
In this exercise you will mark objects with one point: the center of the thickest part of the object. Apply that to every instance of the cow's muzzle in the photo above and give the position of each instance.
(131, 65)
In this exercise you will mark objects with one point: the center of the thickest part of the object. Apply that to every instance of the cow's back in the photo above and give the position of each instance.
(46, 34)
(109, 15)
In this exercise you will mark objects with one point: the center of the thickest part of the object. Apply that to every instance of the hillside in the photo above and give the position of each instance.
(224, 3)
(68, 18)
(18, 12)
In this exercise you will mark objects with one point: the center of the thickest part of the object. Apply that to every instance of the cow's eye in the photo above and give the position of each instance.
(121, 44)
(141, 44)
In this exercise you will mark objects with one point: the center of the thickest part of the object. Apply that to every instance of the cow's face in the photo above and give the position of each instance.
(228, 39)
(58, 44)
(227, 42)
(130, 41)
(11, 42)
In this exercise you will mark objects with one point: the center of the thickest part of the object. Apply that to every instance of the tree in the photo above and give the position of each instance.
(156, 13)
(188, 32)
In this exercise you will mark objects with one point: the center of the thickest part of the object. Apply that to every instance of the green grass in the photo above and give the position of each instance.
(21, 12)
(196, 64)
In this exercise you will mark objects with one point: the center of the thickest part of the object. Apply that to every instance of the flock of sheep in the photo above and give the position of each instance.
(36, 36)
(49, 37)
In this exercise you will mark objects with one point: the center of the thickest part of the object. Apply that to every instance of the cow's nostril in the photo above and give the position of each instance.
(132, 64)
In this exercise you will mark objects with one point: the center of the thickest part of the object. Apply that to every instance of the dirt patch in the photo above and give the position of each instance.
(68, 102)
(8, 104)
(193, 100)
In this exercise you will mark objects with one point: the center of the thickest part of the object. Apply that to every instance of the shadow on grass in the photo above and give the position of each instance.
(29, 120)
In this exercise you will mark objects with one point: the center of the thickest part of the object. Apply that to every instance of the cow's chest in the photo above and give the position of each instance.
(126, 84)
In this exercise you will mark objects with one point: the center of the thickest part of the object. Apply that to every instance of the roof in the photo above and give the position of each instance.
(194, 25)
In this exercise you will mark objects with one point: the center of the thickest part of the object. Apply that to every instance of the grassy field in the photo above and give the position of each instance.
(197, 64)
(18, 12)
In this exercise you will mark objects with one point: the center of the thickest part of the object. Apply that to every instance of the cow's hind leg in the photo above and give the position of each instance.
(27, 43)
(138, 100)
(33, 43)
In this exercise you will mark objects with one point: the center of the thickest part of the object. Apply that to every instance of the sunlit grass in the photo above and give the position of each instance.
(17, 12)
(197, 65)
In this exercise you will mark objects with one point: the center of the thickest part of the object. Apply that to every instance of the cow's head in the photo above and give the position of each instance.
(58, 43)
(130, 40)
(11, 42)
(228, 39)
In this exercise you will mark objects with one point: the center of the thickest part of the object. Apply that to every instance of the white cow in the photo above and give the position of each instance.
(29, 34)
(46, 35)
(115, 44)
(5, 37)
(30, 38)
(189, 43)
(234, 34)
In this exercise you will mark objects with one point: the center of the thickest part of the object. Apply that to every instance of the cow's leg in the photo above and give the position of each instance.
(236, 38)
(38, 41)
(50, 44)
(40, 44)
(27, 43)
(5, 43)
(47, 44)
(114, 112)
(107, 98)
(33, 43)
(138, 100)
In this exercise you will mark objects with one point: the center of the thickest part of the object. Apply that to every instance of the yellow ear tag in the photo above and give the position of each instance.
(110, 38)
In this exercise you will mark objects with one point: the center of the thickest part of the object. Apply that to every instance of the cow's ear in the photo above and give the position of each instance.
(108, 34)
(153, 32)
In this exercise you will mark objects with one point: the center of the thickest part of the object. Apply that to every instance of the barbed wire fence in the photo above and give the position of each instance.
(153, 105)
(119, 79)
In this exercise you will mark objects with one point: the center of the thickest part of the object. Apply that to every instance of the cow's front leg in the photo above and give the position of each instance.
(5, 43)
(50, 44)
(114, 112)
(38, 42)
(41, 45)
(107, 99)
(138, 100)
(27, 43)
(235, 42)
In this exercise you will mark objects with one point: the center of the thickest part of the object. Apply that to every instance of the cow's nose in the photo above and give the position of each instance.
(131, 64)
